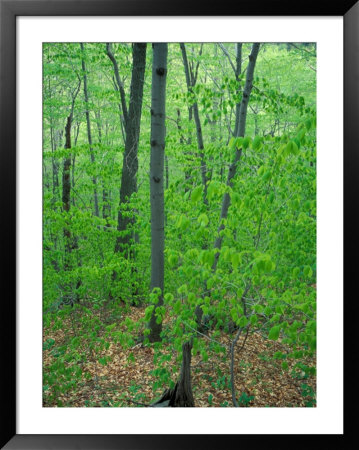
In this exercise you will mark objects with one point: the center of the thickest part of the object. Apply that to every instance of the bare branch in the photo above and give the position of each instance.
(225, 51)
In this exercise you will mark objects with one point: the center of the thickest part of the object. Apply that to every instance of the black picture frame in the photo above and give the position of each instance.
(9, 10)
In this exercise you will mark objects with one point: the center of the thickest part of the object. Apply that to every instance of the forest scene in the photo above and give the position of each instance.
(179, 224)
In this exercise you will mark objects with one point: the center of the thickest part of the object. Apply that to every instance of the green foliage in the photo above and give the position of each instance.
(309, 395)
(265, 275)
(245, 399)
(210, 399)
(274, 333)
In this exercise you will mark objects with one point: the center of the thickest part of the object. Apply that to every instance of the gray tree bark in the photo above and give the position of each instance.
(106, 206)
(242, 117)
(237, 73)
(70, 240)
(184, 395)
(130, 159)
(158, 133)
(119, 84)
(89, 135)
(55, 163)
(191, 78)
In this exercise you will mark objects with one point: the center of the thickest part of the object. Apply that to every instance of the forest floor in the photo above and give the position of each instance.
(126, 379)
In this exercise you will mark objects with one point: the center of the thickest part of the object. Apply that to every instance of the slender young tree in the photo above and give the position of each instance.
(119, 83)
(106, 206)
(237, 74)
(240, 130)
(70, 241)
(241, 117)
(88, 123)
(55, 164)
(191, 80)
(237, 70)
(158, 133)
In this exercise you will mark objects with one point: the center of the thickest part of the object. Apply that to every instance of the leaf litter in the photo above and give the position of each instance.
(126, 380)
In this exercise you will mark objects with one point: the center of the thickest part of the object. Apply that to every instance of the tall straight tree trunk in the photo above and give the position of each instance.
(55, 168)
(191, 82)
(76, 135)
(55, 186)
(70, 241)
(55, 164)
(240, 130)
(182, 142)
(106, 207)
(130, 158)
(237, 75)
(66, 192)
(89, 135)
(66, 179)
(158, 134)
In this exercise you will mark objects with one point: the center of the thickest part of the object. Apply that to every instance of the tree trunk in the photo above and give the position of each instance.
(181, 395)
(70, 242)
(66, 204)
(242, 116)
(191, 81)
(55, 169)
(66, 183)
(89, 136)
(55, 164)
(237, 75)
(184, 395)
(106, 206)
(187, 172)
(119, 83)
(158, 133)
(130, 159)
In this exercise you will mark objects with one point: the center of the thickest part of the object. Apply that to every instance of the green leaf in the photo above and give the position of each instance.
(203, 220)
(182, 289)
(292, 148)
(257, 143)
(177, 307)
(239, 141)
(232, 143)
(246, 142)
(148, 312)
(274, 333)
(204, 355)
(196, 194)
(266, 176)
(243, 321)
(173, 260)
(234, 314)
(210, 283)
(168, 298)
(213, 189)
(308, 124)
(235, 260)
(308, 272)
(254, 319)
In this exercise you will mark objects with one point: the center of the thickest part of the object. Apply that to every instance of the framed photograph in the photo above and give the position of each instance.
(174, 180)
